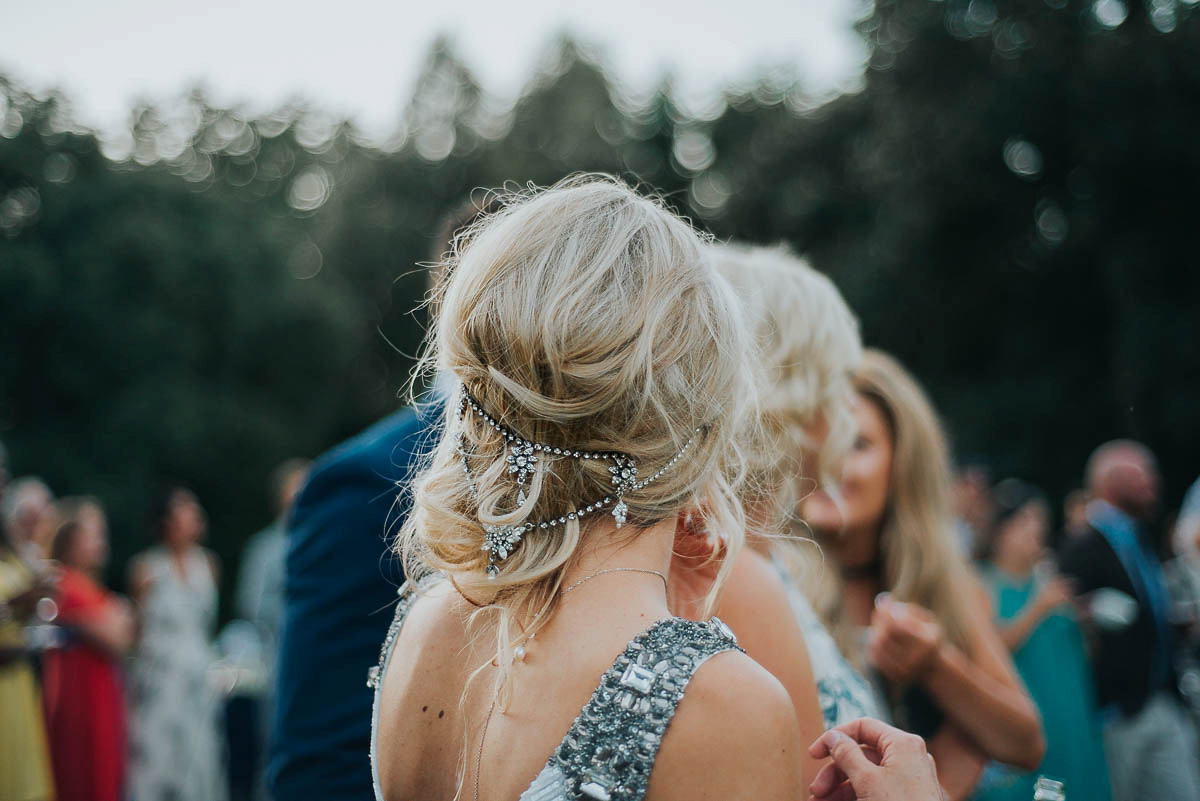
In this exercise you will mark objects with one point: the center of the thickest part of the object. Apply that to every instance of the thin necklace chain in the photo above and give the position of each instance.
(587, 578)
(479, 755)
(487, 720)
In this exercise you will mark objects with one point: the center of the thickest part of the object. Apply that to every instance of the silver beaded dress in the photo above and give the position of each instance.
(609, 751)
(844, 693)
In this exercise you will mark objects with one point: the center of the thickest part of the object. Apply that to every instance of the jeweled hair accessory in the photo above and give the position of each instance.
(522, 458)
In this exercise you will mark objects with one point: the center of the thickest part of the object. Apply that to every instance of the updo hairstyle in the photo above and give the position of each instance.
(591, 318)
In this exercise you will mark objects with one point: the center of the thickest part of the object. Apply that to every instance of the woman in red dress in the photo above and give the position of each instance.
(85, 704)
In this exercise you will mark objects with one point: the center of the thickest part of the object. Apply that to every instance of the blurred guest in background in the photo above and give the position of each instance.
(260, 583)
(1148, 738)
(1189, 513)
(896, 568)
(260, 607)
(82, 683)
(24, 759)
(1075, 521)
(1074, 511)
(972, 506)
(29, 514)
(1183, 581)
(176, 752)
(341, 582)
(1036, 622)
(809, 343)
(1185, 542)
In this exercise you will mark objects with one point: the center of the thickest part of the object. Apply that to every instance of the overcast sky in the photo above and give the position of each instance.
(360, 58)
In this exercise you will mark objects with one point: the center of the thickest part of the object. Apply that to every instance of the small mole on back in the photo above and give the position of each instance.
(424, 709)
(441, 714)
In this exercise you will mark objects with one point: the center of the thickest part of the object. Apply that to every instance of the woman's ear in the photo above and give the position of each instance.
(692, 521)
(696, 560)
(694, 538)
(685, 522)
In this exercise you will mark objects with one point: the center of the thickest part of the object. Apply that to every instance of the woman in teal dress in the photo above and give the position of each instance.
(1037, 622)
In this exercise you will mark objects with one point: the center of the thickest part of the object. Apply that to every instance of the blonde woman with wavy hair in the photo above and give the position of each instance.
(808, 344)
(893, 571)
(600, 371)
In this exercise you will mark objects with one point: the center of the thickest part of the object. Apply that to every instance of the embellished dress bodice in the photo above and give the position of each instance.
(843, 692)
(609, 751)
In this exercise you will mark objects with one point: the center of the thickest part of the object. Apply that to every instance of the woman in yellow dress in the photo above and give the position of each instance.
(24, 761)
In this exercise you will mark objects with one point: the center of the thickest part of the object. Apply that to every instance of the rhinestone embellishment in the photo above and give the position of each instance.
(522, 459)
(610, 749)
(723, 629)
(638, 678)
(375, 674)
(624, 479)
(596, 790)
(624, 474)
(499, 542)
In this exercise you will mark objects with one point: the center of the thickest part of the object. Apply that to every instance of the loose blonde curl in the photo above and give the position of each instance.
(585, 316)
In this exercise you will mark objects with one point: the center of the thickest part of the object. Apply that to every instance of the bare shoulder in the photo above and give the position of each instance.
(139, 566)
(141, 574)
(734, 689)
(734, 736)
(978, 590)
(437, 621)
(755, 581)
(419, 720)
(758, 607)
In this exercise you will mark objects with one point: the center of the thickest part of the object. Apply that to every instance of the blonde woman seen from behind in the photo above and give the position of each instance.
(899, 579)
(583, 323)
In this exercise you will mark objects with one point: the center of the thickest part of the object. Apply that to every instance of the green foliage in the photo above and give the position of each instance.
(1007, 204)
(1029, 254)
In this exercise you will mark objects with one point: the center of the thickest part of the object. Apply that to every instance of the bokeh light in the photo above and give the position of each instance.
(310, 189)
(1110, 13)
(1023, 158)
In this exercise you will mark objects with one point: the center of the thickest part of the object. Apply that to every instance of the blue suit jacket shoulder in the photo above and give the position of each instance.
(341, 583)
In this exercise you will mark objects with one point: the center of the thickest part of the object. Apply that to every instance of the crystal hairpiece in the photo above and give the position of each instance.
(522, 458)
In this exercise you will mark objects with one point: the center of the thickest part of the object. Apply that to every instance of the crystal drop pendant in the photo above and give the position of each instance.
(619, 513)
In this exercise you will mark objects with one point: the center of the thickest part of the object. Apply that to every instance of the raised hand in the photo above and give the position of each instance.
(1056, 592)
(873, 761)
(904, 640)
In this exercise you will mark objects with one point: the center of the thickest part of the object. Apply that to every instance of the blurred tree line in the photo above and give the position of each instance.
(1007, 201)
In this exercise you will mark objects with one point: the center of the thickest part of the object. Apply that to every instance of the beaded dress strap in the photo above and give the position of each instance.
(610, 749)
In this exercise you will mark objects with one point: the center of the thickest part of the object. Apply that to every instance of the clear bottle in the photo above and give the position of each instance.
(1049, 790)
